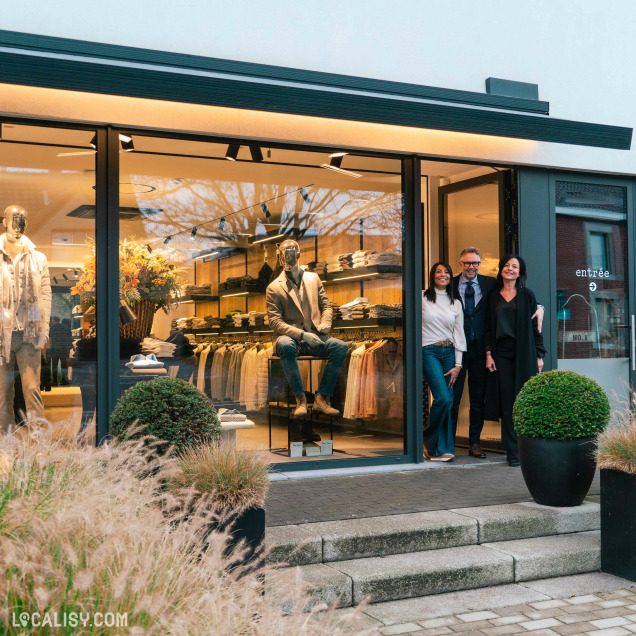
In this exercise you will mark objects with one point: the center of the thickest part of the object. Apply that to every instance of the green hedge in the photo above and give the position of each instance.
(168, 409)
(561, 405)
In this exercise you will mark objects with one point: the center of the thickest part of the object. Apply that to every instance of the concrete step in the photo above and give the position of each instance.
(406, 533)
(415, 574)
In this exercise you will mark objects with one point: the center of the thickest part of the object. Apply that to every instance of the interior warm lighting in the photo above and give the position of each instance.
(337, 154)
(352, 277)
(267, 238)
(365, 327)
(239, 294)
(212, 253)
(232, 152)
(336, 169)
(126, 143)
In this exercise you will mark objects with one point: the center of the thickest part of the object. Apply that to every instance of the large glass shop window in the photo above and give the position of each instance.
(271, 280)
(47, 278)
(592, 310)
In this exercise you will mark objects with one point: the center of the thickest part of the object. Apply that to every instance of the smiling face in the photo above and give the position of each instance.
(442, 277)
(470, 263)
(510, 270)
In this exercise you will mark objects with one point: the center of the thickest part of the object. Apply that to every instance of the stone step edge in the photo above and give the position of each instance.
(348, 594)
(304, 544)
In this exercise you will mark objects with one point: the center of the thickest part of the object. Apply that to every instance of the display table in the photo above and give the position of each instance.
(228, 430)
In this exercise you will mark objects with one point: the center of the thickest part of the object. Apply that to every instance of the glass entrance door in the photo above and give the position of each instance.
(593, 316)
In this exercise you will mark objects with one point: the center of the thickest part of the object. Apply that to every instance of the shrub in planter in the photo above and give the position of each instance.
(236, 480)
(616, 458)
(557, 416)
(170, 410)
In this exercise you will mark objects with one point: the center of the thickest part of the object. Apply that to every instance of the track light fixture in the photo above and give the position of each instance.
(193, 233)
(257, 153)
(126, 143)
(64, 276)
(232, 152)
(55, 280)
(168, 239)
(149, 247)
(305, 196)
(221, 224)
(75, 273)
(335, 161)
(266, 210)
(93, 142)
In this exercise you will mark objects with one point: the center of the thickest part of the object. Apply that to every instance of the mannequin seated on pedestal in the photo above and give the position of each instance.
(300, 315)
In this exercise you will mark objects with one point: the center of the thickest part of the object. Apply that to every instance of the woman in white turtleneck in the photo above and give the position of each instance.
(443, 343)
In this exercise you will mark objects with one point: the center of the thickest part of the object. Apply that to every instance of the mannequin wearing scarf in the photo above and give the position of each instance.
(25, 309)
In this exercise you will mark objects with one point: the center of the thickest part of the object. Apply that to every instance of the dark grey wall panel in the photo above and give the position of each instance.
(537, 247)
(50, 44)
(96, 77)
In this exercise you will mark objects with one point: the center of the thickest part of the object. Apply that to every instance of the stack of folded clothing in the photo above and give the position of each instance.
(158, 348)
(236, 282)
(77, 333)
(383, 258)
(347, 310)
(359, 258)
(212, 321)
(230, 415)
(385, 311)
(319, 267)
(256, 318)
(240, 320)
(196, 290)
(339, 263)
(184, 323)
(360, 312)
(149, 364)
(198, 323)
(335, 309)
(228, 317)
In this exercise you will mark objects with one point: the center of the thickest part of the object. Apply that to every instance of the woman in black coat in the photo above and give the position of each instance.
(514, 347)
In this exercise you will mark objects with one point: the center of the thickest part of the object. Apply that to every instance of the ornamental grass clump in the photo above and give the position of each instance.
(560, 405)
(85, 529)
(172, 411)
(617, 445)
(235, 478)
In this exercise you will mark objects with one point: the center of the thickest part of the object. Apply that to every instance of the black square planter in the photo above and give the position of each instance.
(618, 523)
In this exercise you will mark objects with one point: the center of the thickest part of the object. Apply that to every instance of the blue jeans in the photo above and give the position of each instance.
(335, 350)
(438, 437)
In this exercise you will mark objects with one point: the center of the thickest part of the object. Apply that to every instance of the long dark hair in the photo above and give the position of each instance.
(521, 281)
(430, 294)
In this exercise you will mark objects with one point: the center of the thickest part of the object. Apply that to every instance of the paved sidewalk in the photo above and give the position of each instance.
(602, 614)
(372, 495)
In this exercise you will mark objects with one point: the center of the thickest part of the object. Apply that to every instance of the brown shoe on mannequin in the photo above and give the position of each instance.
(321, 403)
(301, 405)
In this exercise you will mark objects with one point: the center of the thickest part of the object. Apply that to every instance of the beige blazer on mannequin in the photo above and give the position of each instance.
(285, 311)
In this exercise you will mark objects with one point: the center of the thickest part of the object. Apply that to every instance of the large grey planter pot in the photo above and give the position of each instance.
(618, 523)
(558, 472)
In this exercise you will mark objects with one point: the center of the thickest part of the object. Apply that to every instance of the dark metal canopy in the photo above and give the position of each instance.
(50, 62)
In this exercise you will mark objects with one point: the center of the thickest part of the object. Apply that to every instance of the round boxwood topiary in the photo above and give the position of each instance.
(561, 405)
(168, 409)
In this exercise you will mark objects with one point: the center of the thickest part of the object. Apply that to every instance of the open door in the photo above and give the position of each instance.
(482, 212)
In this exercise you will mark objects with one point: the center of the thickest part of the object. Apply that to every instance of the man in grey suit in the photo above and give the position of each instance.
(300, 315)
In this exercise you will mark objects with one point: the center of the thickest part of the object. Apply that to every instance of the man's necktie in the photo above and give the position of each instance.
(469, 306)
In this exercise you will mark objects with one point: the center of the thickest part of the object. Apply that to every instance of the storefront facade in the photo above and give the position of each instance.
(198, 168)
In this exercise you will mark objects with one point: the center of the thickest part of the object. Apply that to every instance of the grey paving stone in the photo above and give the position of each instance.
(420, 573)
(544, 557)
(293, 545)
(423, 609)
(579, 585)
(355, 619)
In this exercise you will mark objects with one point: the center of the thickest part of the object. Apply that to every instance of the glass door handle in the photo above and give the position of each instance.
(633, 334)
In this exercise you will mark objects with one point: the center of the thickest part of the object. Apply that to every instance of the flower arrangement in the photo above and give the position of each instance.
(144, 274)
